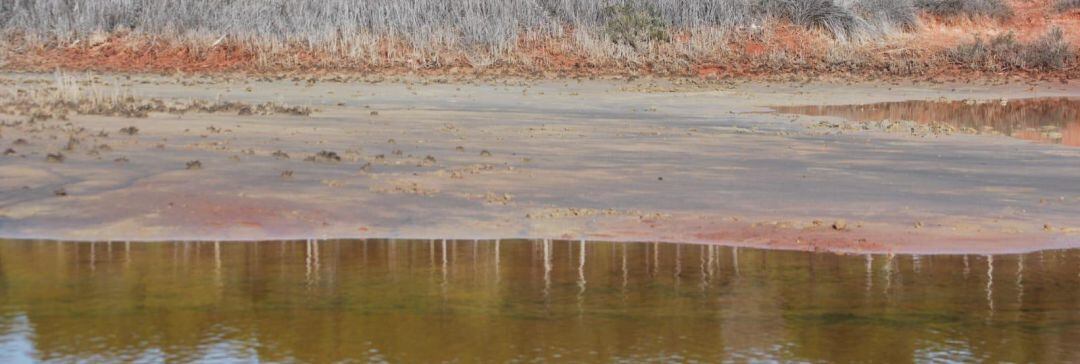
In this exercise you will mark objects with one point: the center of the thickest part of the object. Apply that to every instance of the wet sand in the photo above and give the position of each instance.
(645, 160)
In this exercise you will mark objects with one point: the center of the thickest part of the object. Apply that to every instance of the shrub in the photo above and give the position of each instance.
(1051, 51)
(996, 9)
(1002, 52)
(632, 26)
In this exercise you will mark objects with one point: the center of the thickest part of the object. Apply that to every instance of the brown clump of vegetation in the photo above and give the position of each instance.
(324, 156)
(1004, 52)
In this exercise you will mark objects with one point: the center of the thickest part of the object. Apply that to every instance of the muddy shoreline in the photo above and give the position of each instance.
(640, 160)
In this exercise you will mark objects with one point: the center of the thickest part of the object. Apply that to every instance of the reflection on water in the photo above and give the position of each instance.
(1054, 120)
(469, 301)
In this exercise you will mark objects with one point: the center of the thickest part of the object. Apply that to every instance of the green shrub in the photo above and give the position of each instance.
(633, 26)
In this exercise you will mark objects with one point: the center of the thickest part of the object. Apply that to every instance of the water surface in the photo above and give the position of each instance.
(1049, 120)
(466, 301)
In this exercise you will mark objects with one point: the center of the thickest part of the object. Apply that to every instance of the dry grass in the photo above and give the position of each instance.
(522, 36)
(996, 9)
(486, 25)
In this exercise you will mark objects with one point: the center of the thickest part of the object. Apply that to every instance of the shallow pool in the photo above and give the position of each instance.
(488, 301)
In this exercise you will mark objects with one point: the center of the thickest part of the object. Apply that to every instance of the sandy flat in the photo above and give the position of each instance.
(607, 160)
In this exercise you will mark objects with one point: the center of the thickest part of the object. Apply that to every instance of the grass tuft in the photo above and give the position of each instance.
(839, 20)
(889, 15)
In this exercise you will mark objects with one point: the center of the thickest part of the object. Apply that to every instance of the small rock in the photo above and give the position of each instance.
(60, 192)
(485, 153)
(55, 158)
(839, 225)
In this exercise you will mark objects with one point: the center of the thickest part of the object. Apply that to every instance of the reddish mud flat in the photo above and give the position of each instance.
(104, 157)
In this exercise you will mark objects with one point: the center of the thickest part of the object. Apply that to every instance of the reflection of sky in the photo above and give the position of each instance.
(231, 351)
(17, 346)
(17, 341)
(945, 351)
(1054, 120)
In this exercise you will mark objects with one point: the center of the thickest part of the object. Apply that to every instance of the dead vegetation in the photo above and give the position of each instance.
(405, 187)
(324, 157)
(994, 9)
(68, 95)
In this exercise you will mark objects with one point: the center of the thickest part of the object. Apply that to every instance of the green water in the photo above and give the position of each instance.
(465, 301)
